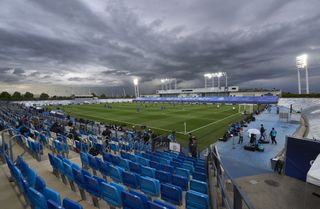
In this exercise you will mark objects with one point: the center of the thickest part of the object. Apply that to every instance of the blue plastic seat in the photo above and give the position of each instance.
(91, 185)
(134, 200)
(163, 177)
(183, 172)
(175, 163)
(130, 179)
(124, 163)
(199, 176)
(59, 164)
(199, 186)
(157, 204)
(180, 181)
(107, 157)
(70, 204)
(167, 168)
(84, 159)
(147, 171)
(150, 186)
(53, 195)
(142, 161)
(115, 173)
(135, 167)
(40, 184)
(92, 162)
(196, 200)
(105, 168)
(52, 205)
(116, 160)
(154, 165)
(200, 169)
(68, 171)
(31, 177)
(188, 167)
(171, 193)
(111, 193)
(78, 178)
(37, 199)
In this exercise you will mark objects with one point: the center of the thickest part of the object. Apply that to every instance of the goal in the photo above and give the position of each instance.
(246, 108)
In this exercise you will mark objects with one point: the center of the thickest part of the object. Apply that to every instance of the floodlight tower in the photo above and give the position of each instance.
(206, 77)
(136, 87)
(302, 64)
(219, 75)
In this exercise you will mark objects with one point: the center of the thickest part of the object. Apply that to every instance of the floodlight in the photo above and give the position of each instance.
(302, 61)
(136, 81)
(208, 75)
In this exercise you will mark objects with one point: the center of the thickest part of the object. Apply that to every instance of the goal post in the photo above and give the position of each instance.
(246, 108)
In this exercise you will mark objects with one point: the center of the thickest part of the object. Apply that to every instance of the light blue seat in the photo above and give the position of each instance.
(52, 205)
(171, 193)
(91, 185)
(188, 167)
(199, 186)
(115, 173)
(134, 200)
(70, 204)
(167, 168)
(147, 171)
(163, 177)
(180, 181)
(84, 159)
(111, 193)
(40, 184)
(196, 200)
(130, 179)
(142, 161)
(92, 162)
(150, 186)
(124, 163)
(157, 204)
(68, 171)
(105, 168)
(199, 176)
(135, 167)
(31, 177)
(53, 195)
(183, 172)
(37, 199)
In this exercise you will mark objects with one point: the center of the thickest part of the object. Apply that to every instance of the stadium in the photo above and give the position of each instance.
(115, 104)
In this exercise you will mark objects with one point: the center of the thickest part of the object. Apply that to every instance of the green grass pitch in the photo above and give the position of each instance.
(206, 122)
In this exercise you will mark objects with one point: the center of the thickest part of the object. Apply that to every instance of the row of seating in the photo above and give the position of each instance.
(34, 188)
(148, 180)
(34, 147)
(113, 193)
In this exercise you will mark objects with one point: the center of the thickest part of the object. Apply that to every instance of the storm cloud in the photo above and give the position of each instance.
(98, 43)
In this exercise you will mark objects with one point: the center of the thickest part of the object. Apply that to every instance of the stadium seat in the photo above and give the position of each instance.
(40, 184)
(147, 171)
(143, 161)
(52, 195)
(199, 186)
(124, 163)
(111, 193)
(130, 179)
(70, 204)
(171, 193)
(115, 173)
(31, 177)
(53, 164)
(199, 176)
(182, 172)
(105, 168)
(196, 200)
(37, 199)
(84, 159)
(135, 167)
(188, 167)
(200, 169)
(91, 185)
(163, 177)
(52, 205)
(93, 163)
(154, 165)
(157, 204)
(107, 157)
(167, 168)
(150, 186)
(180, 181)
(134, 200)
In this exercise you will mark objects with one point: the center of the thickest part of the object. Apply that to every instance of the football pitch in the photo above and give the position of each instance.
(206, 122)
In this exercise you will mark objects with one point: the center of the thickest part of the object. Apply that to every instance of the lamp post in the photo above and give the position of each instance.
(302, 64)
(136, 87)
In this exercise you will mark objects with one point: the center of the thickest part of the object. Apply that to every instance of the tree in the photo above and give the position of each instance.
(44, 96)
(28, 96)
(103, 96)
(16, 96)
(5, 95)
(93, 94)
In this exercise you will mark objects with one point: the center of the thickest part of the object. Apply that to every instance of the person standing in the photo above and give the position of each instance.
(262, 132)
(190, 143)
(194, 147)
(273, 134)
(240, 136)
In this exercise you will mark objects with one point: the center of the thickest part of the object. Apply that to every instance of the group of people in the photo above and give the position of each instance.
(262, 139)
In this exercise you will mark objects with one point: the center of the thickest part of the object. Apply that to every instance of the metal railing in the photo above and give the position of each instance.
(229, 194)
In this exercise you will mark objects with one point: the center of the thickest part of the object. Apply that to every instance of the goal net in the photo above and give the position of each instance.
(246, 108)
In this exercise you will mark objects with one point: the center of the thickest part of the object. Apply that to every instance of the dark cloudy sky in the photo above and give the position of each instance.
(56, 45)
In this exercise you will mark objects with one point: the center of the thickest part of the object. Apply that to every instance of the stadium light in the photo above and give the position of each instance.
(302, 64)
(135, 81)
(136, 87)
